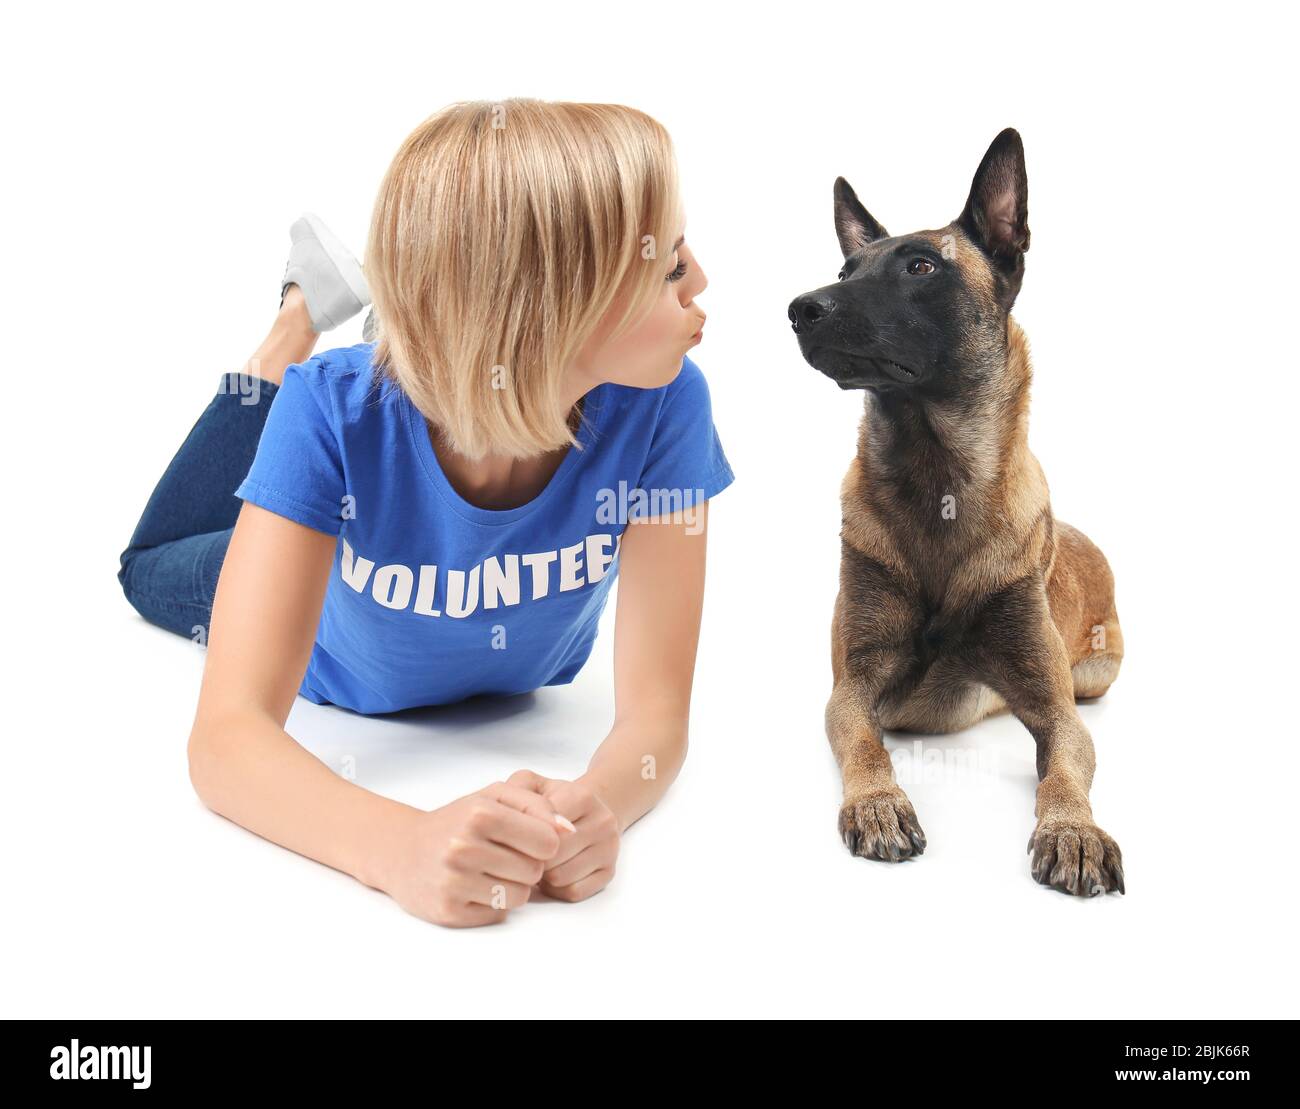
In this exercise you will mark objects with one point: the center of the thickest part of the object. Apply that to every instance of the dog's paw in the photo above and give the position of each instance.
(882, 825)
(1075, 857)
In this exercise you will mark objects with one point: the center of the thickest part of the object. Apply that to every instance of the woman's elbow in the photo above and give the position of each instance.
(205, 757)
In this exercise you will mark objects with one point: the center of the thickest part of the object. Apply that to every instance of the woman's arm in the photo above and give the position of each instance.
(657, 630)
(467, 863)
(242, 762)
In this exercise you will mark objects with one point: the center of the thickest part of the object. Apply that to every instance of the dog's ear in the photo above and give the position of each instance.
(996, 215)
(854, 225)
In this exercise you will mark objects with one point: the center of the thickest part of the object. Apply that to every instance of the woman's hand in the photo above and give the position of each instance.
(472, 861)
(584, 861)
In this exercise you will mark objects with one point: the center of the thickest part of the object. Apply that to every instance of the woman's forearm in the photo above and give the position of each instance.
(633, 768)
(251, 771)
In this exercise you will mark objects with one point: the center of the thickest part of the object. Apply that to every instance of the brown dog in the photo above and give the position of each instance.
(960, 594)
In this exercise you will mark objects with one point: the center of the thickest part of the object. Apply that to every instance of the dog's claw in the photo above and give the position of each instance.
(881, 825)
(1076, 858)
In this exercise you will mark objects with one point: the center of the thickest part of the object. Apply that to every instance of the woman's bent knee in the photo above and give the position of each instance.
(162, 592)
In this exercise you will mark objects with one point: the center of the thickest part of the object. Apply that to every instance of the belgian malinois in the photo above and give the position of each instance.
(960, 595)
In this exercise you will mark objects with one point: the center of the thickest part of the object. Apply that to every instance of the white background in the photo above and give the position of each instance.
(154, 161)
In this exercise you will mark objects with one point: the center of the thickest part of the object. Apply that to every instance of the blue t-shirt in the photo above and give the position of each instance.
(432, 599)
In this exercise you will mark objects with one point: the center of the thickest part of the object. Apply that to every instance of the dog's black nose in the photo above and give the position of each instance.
(809, 309)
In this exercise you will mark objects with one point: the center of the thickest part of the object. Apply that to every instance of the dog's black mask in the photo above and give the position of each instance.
(927, 311)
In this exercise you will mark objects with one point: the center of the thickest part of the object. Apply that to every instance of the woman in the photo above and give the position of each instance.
(441, 512)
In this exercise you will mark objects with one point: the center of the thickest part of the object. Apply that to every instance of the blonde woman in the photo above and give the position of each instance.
(441, 511)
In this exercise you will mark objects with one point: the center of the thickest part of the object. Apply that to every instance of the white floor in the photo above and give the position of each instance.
(129, 898)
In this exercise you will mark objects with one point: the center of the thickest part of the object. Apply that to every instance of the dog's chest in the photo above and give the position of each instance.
(938, 635)
(936, 686)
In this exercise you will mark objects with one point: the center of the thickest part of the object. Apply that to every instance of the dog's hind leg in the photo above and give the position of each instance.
(1094, 673)
(1081, 593)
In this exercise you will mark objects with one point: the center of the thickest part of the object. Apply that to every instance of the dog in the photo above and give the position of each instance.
(960, 594)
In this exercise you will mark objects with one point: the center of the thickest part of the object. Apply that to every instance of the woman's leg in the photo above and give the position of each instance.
(169, 570)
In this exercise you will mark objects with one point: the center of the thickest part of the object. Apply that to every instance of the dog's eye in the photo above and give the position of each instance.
(920, 266)
(841, 275)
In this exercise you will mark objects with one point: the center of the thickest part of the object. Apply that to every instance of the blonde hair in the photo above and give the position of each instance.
(502, 234)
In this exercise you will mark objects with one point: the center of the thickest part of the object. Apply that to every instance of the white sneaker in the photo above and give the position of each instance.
(325, 270)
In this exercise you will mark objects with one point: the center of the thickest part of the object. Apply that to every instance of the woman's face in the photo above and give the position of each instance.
(650, 354)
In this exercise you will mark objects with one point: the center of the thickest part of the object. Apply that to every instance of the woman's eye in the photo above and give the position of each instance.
(679, 272)
(920, 266)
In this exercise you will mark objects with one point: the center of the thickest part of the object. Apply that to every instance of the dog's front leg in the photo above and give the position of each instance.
(1026, 661)
(876, 820)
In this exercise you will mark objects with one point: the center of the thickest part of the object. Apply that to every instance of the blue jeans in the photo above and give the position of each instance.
(169, 571)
